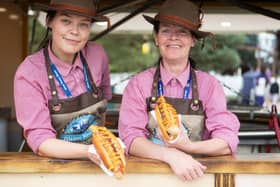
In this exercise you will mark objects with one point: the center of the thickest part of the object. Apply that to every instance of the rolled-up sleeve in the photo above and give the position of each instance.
(31, 108)
(133, 116)
(220, 123)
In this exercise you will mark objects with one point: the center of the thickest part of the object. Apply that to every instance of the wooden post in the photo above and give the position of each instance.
(224, 180)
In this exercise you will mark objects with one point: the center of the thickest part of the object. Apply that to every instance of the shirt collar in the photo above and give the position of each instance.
(166, 77)
(64, 68)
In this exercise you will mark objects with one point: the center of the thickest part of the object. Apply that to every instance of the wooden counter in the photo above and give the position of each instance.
(26, 169)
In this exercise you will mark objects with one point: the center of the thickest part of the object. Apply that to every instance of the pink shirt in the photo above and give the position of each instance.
(219, 122)
(32, 89)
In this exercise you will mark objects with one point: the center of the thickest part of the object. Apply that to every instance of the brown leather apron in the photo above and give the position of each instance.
(191, 110)
(62, 111)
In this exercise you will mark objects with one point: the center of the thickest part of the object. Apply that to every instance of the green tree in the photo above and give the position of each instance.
(225, 57)
(125, 52)
(38, 34)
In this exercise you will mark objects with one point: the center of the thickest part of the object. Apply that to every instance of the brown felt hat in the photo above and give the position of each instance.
(85, 8)
(180, 12)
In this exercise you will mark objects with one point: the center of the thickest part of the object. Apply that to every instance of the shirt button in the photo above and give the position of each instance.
(173, 82)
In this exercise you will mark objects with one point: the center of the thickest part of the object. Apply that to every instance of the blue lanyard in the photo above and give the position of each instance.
(186, 88)
(63, 85)
(86, 78)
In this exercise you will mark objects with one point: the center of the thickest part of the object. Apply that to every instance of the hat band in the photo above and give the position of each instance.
(74, 8)
(177, 20)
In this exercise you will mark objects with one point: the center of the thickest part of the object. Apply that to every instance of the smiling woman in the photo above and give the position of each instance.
(66, 81)
(205, 125)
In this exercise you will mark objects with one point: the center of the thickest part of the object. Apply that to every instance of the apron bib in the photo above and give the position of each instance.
(191, 111)
(64, 111)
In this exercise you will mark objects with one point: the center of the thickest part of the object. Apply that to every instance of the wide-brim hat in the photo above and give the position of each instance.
(85, 8)
(180, 12)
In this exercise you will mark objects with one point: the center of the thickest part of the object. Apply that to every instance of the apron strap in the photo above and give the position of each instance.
(154, 86)
(194, 87)
(51, 77)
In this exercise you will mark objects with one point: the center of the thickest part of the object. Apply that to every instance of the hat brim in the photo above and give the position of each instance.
(45, 8)
(198, 34)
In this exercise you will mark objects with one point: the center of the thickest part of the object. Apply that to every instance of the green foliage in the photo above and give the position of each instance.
(248, 56)
(125, 52)
(222, 59)
(39, 34)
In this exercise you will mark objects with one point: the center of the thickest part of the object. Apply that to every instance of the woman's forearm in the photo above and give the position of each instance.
(144, 148)
(61, 149)
(211, 147)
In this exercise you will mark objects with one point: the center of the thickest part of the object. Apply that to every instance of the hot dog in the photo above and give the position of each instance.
(109, 149)
(168, 121)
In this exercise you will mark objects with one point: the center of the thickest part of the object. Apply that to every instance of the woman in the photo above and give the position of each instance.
(62, 89)
(196, 96)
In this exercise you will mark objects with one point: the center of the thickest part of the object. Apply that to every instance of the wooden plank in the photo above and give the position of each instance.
(263, 163)
(240, 164)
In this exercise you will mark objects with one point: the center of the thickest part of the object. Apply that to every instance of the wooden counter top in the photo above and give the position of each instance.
(242, 164)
